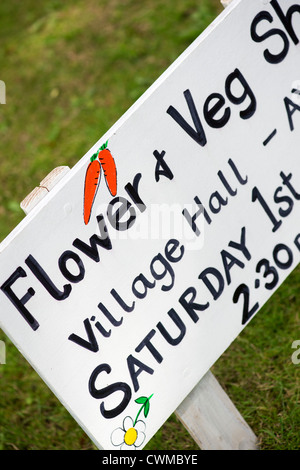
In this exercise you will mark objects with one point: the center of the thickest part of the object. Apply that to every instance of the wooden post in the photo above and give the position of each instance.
(44, 187)
(212, 419)
(207, 412)
(225, 3)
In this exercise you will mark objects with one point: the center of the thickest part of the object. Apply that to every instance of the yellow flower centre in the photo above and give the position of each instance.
(130, 436)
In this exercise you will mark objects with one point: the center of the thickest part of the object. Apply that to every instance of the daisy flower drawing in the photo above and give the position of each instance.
(132, 433)
(130, 436)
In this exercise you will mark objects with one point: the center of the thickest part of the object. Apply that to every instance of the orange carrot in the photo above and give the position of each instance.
(109, 168)
(92, 180)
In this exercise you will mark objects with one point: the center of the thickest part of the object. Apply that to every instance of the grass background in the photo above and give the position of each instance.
(71, 70)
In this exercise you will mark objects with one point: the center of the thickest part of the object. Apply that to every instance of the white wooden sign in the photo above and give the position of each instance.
(134, 274)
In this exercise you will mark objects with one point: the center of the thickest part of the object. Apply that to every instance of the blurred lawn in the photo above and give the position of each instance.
(71, 70)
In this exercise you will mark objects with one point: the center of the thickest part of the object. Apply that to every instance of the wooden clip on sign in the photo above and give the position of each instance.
(153, 253)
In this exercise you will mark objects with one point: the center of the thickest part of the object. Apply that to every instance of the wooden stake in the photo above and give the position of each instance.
(38, 193)
(212, 419)
(225, 3)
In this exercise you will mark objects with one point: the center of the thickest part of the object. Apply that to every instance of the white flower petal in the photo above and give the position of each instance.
(117, 437)
(140, 439)
(126, 447)
(127, 423)
(140, 426)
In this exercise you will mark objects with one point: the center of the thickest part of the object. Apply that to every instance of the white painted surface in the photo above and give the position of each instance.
(167, 372)
(207, 412)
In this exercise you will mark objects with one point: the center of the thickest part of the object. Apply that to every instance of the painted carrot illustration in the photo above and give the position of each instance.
(109, 168)
(92, 180)
(101, 160)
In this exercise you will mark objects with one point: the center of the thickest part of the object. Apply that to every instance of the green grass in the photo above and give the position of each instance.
(71, 70)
